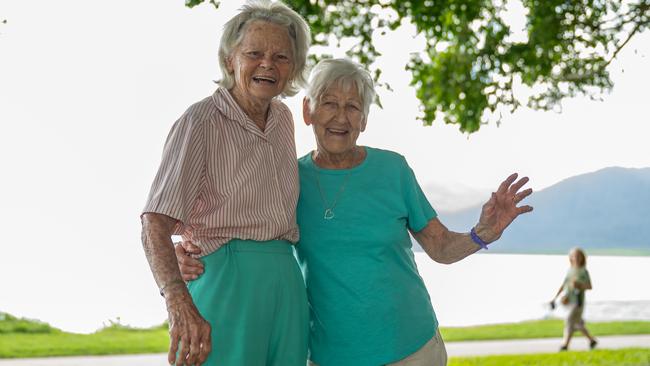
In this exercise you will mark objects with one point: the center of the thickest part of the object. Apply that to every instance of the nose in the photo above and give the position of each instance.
(340, 115)
(266, 61)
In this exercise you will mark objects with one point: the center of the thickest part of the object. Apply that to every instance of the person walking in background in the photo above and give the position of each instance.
(576, 282)
(228, 181)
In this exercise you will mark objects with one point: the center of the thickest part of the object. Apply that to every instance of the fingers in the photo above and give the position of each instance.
(191, 247)
(523, 194)
(185, 349)
(503, 187)
(187, 277)
(190, 268)
(190, 262)
(194, 348)
(524, 209)
(520, 183)
(206, 346)
(173, 346)
(180, 250)
(199, 344)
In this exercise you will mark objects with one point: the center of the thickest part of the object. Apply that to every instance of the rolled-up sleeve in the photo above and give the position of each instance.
(181, 174)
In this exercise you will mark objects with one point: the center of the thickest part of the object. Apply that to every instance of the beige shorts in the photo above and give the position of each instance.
(433, 353)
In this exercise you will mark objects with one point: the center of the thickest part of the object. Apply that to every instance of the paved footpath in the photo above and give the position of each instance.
(472, 348)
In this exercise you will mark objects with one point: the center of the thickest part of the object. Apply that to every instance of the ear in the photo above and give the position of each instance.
(363, 124)
(306, 111)
(229, 66)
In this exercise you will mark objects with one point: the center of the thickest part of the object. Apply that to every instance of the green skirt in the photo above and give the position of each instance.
(253, 295)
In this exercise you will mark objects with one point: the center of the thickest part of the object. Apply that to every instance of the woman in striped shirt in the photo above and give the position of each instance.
(228, 181)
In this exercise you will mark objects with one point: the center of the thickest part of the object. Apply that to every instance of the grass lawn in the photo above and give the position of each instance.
(538, 329)
(27, 338)
(106, 341)
(621, 357)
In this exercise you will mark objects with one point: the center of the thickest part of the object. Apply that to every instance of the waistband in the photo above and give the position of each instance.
(268, 246)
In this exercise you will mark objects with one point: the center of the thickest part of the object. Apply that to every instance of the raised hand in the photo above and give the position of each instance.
(501, 209)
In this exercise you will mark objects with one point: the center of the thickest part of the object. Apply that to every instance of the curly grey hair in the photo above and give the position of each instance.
(273, 12)
(340, 70)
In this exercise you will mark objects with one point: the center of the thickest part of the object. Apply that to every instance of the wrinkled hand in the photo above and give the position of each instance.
(501, 209)
(187, 327)
(191, 268)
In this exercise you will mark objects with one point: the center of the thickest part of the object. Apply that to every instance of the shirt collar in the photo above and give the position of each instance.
(227, 105)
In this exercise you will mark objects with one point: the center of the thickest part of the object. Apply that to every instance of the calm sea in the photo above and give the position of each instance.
(497, 288)
(482, 289)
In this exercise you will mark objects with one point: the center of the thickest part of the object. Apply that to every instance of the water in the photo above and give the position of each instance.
(481, 289)
(497, 288)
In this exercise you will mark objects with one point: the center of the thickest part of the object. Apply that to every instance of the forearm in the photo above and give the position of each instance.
(445, 246)
(455, 247)
(159, 250)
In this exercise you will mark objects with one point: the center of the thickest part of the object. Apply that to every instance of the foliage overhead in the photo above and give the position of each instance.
(472, 59)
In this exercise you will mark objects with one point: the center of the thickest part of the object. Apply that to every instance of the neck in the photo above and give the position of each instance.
(346, 160)
(257, 110)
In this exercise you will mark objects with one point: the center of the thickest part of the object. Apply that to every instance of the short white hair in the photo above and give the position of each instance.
(346, 72)
(272, 12)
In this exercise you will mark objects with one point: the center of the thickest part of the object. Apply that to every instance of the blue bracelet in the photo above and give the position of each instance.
(477, 239)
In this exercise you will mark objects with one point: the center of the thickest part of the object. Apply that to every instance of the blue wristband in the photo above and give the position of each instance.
(477, 239)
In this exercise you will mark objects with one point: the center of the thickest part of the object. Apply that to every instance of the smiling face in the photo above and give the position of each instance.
(262, 63)
(337, 119)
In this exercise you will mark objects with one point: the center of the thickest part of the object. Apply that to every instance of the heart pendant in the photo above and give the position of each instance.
(329, 214)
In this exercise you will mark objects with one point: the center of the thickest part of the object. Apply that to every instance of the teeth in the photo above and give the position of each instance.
(337, 131)
(262, 78)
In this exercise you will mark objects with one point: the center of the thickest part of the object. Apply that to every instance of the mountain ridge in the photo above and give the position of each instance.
(606, 211)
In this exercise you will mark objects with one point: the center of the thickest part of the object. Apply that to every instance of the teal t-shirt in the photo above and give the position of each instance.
(369, 305)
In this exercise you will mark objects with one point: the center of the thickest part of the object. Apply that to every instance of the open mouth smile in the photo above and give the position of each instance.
(264, 80)
(337, 131)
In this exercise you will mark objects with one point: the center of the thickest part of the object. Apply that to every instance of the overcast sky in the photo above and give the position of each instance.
(89, 90)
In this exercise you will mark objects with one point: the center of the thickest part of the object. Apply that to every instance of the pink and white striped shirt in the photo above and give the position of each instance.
(223, 178)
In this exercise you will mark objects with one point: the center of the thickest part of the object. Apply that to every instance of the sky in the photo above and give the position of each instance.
(89, 90)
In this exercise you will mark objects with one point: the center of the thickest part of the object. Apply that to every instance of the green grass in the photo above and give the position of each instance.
(538, 329)
(30, 338)
(112, 340)
(621, 357)
(11, 324)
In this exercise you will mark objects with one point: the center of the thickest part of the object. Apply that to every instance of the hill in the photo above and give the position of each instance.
(604, 212)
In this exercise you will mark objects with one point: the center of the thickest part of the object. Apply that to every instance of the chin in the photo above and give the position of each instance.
(337, 149)
(264, 94)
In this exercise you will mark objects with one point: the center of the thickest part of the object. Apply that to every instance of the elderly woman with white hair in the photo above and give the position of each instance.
(228, 181)
(369, 305)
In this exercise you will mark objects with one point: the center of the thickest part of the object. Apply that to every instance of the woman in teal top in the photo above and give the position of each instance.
(367, 300)
(357, 205)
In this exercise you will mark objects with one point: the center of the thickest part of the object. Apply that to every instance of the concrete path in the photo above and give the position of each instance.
(542, 345)
(473, 348)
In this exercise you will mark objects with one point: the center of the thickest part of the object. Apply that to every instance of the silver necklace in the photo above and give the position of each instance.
(329, 209)
(328, 214)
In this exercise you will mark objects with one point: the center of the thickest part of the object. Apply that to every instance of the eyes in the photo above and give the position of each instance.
(330, 104)
(278, 57)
